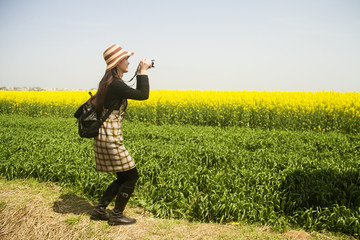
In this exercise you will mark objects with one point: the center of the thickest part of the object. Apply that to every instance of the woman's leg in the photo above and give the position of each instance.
(127, 181)
(99, 212)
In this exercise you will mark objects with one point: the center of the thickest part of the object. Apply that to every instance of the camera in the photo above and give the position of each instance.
(151, 63)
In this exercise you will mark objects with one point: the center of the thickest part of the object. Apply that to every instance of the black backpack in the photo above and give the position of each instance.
(88, 120)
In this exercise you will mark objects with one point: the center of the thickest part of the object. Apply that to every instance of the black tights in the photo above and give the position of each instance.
(123, 186)
(126, 181)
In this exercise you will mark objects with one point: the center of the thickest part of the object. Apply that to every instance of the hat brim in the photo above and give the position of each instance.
(117, 60)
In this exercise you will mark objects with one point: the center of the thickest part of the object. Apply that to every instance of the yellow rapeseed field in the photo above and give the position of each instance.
(55, 98)
(348, 102)
(244, 108)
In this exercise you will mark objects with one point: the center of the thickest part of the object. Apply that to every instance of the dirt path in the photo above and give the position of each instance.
(32, 210)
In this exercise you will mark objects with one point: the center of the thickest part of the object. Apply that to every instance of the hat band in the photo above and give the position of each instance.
(115, 55)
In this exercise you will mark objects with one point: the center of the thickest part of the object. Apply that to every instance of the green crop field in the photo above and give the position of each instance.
(280, 178)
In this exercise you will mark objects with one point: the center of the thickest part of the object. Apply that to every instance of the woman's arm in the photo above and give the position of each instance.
(140, 93)
(142, 87)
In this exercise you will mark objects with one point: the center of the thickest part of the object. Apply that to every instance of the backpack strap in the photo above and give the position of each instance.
(107, 114)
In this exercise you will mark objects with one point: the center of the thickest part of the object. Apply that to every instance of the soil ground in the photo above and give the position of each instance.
(33, 210)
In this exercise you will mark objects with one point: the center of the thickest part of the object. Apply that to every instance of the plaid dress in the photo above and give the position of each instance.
(110, 153)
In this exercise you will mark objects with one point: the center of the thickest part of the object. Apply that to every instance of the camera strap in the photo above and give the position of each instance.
(137, 69)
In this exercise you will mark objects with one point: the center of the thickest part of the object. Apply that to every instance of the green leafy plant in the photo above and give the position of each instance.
(201, 173)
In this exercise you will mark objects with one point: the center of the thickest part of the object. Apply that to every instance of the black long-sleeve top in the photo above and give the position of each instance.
(118, 90)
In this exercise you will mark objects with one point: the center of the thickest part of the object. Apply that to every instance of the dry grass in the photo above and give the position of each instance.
(32, 210)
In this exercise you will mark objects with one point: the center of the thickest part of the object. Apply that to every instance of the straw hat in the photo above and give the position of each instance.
(114, 54)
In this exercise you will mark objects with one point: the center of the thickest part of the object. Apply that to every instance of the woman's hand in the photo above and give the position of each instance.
(145, 64)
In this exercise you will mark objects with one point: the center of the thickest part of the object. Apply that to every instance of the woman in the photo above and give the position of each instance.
(110, 153)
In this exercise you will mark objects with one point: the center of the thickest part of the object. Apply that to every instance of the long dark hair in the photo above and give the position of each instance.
(99, 98)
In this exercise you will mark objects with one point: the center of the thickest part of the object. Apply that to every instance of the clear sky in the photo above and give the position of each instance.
(286, 45)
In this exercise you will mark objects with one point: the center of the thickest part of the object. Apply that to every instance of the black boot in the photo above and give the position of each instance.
(116, 216)
(120, 219)
(99, 212)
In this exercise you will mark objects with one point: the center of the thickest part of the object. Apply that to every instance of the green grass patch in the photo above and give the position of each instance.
(202, 173)
(73, 220)
(2, 206)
